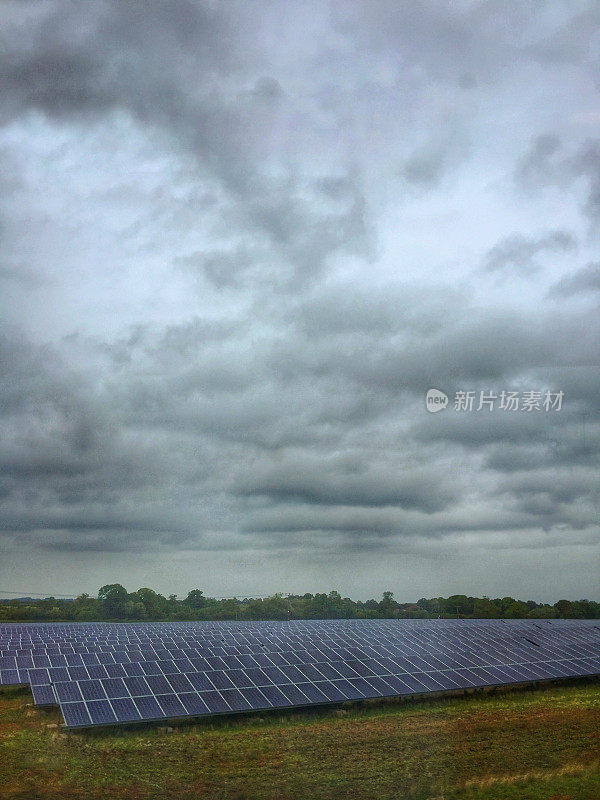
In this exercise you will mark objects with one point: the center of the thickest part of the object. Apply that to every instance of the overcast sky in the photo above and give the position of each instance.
(239, 241)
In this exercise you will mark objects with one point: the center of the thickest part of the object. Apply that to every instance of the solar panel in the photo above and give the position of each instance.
(106, 673)
(43, 695)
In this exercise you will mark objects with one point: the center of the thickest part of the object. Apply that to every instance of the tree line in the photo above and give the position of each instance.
(115, 603)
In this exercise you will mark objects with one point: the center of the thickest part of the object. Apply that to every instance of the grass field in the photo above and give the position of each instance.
(520, 745)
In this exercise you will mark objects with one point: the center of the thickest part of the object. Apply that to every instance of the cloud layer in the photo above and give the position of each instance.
(240, 242)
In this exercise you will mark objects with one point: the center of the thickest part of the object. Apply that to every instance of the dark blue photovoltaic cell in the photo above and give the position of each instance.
(329, 689)
(381, 686)
(43, 695)
(115, 670)
(92, 690)
(125, 710)
(180, 683)
(446, 681)
(114, 687)
(148, 708)
(67, 692)
(345, 670)
(351, 692)
(171, 705)
(97, 671)
(78, 673)
(221, 680)
(75, 714)
(135, 668)
(427, 681)
(101, 712)
(295, 695)
(38, 676)
(314, 694)
(201, 682)
(275, 696)
(214, 702)
(158, 684)
(235, 700)
(239, 678)
(136, 686)
(329, 671)
(150, 668)
(398, 684)
(193, 703)
(274, 674)
(257, 677)
(363, 686)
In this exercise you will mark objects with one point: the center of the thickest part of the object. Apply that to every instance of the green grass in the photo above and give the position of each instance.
(529, 745)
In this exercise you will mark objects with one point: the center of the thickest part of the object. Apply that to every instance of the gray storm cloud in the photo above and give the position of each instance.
(239, 242)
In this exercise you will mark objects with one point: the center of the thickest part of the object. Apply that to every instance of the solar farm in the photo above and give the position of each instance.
(122, 673)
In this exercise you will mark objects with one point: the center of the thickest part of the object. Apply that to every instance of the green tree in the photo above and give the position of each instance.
(113, 598)
(153, 604)
(195, 599)
(516, 610)
(388, 607)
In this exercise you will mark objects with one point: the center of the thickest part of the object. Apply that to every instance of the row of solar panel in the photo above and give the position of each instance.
(331, 642)
(329, 638)
(25, 660)
(433, 656)
(270, 675)
(15, 670)
(28, 628)
(119, 705)
(320, 634)
(221, 630)
(285, 656)
(363, 666)
(283, 636)
(240, 679)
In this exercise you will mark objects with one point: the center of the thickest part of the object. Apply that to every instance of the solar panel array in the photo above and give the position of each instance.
(109, 673)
